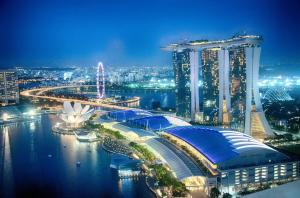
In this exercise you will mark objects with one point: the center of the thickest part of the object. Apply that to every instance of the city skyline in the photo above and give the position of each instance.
(35, 34)
(160, 98)
(230, 70)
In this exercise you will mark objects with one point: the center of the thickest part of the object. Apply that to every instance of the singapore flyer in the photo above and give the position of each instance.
(100, 79)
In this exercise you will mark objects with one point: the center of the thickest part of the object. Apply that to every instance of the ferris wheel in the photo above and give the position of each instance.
(100, 80)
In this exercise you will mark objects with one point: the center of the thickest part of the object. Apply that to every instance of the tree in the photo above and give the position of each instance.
(214, 193)
(227, 195)
(179, 189)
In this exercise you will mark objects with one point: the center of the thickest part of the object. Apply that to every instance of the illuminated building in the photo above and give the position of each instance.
(187, 101)
(234, 160)
(230, 70)
(145, 120)
(237, 79)
(75, 116)
(210, 73)
(9, 89)
(277, 95)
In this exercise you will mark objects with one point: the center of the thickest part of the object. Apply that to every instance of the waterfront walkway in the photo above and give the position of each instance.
(181, 164)
(196, 171)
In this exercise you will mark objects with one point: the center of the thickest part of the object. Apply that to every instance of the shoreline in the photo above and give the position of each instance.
(148, 185)
(111, 151)
(146, 176)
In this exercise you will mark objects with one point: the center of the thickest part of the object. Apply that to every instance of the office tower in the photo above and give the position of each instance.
(230, 70)
(9, 89)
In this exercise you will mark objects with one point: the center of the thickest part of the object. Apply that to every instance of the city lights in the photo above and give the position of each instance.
(5, 116)
(150, 99)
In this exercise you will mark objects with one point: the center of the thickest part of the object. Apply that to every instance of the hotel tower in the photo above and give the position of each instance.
(229, 72)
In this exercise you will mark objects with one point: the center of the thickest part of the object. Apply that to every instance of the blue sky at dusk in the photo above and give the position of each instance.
(125, 33)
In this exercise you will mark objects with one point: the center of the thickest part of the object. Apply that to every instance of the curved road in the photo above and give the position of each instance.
(37, 93)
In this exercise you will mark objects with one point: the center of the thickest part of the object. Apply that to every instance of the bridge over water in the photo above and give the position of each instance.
(38, 94)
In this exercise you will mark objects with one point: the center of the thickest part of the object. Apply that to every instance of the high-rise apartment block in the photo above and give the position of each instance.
(9, 89)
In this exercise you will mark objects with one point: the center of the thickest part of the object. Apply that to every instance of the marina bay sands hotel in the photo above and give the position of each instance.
(229, 70)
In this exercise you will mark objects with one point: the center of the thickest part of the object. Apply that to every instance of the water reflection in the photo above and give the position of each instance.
(7, 171)
(126, 185)
(34, 160)
(32, 126)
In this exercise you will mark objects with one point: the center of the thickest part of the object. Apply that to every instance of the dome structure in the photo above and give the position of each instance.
(76, 114)
(277, 95)
(227, 149)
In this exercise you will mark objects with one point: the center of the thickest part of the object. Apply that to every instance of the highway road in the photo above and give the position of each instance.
(37, 93)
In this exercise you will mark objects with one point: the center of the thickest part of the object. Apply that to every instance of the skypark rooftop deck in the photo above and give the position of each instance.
(202, 44)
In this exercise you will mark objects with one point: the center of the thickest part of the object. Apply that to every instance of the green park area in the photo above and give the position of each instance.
(99, 128)
(166, 179)
(147, 155)
(294, 149)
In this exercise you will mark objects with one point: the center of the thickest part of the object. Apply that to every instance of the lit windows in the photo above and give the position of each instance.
(275, 172)
(244, 175)
(237, 177)
(257, 174)
(224, 174)
(294, 170)
(282, 170)
(264, 172)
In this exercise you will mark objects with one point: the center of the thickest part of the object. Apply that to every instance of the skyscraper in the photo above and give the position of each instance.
(9, 89)
(230, 71)
(210, 77)
(182, 70)
(237, 87)
(185, 63)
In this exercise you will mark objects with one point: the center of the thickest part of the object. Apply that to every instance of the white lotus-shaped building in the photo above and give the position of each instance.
(75, 115)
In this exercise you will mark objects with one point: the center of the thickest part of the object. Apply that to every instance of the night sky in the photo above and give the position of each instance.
(126, 33)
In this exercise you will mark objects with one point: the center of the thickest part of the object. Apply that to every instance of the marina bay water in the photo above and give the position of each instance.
(165, 97)
(35, 162)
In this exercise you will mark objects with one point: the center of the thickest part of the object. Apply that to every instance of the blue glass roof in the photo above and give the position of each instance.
(125, 115)
(122, 115)
(154, 123)
(208, 141)
(227, 148)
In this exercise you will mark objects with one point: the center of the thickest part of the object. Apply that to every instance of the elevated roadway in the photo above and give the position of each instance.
(38, 94)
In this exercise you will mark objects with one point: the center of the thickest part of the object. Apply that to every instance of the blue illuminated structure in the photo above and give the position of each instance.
(153, 123)
(232, 159)
(227, 148)
(236, 159)
(209, 142)
(123, 116)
